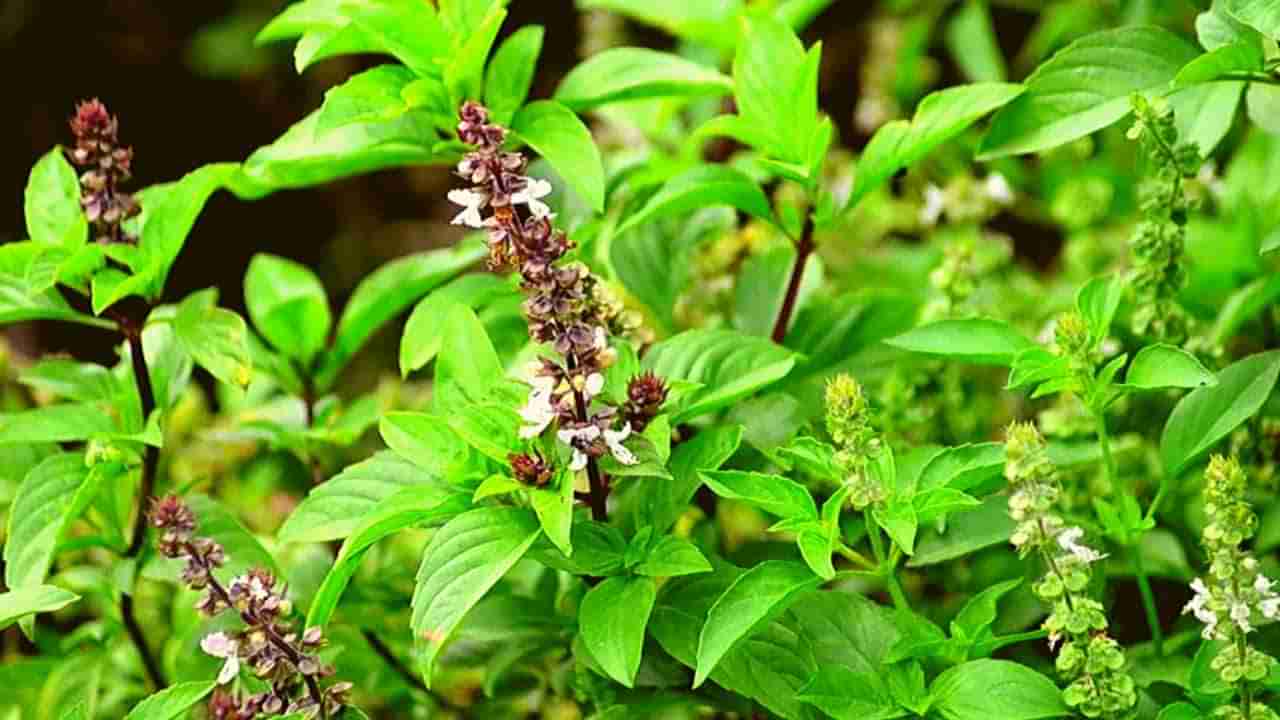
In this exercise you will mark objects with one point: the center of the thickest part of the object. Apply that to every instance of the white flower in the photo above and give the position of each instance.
(614, 438)
(221, 646)
(471, 202)
(1069, 540)
(1240, 614)
(1263, 584)
(587, 435)
(997, 188)
(935, 203)
(531, 195)
(601, 338)
(1270, 607)
(1054, 639)
(1199, 607)
(538, 411)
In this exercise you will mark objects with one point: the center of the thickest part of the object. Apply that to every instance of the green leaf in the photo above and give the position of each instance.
(408, 31)
(1208, 414)
(963, 467)
(493, 430)
(469, 367)
(372, 96)
(52, 202)
(612, 621)
(1157, 367)
(983, 689)
(659, 505)
(1216, 27)
(971, 40)
(1098, 302)
(1245, 304)
(305, 156)
(1263, 105)
(386, 293)
(977, 615)
(898, 518)
(966, 533)
(464, 69)
(709, 23)
(424, 440)
(31, 600)
(71, 422)
(933, 504)
(1241, 57)
(976, 340)
(776, 88)
(424, 331)
(559, 136)
(941, 117)
(47, 502)
(773, 493)
(755, 598)
(729, 365)
(171, 703)
(510, 73)
(1086, 87)
(1261, 15)
(671, 557)
(169, 211)
(288, 306)
(703, 186)
(334, 509)
(217, 339)
(408, 507)
(465, 558)
(632, 73)
(845, 694)
(555, 513)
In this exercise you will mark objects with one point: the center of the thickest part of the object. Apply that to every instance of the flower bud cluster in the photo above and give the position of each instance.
(268, 645)
(105, 165)
(1157, 245)
(857, 442)
(566, 306)
(1235, 597)
(1090, 660)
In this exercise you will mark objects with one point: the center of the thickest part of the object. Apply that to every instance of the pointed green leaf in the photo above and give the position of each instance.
(171, 703)
(1156, 367)
(703, 186)
(632, 73)
(52, 202)
(559, 136)
(773, 493)
(1208, 414)
(976, 340)
(288, 305)
(984, 689)
(612, 621)
(31, 600)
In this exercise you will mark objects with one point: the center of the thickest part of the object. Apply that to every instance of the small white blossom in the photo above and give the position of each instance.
(1069, 540)
(1198, 606)
(614, 438)
(593, 385)
(1240, 614)
(998, 189)
(471, 202)
(1054, 639)
(1263, 584)
(531, 195)
(221, 646)
(538, 412)
(935, 203)
(587, 434)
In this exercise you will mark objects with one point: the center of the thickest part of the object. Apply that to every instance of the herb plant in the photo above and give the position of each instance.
(961, 407)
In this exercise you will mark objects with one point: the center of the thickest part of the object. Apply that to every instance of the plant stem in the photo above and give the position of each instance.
(598, 496)
(411, 678)
(1139, 568)
(132, 330)
(804, 248)
(1148, 600)
(886, 566)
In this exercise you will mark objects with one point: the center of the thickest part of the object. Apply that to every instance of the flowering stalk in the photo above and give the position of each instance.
(1090, 660)
(267, 645)
(566, 309)
(1235, 596)
(106, 165)
(1157, 246)
(858, 449)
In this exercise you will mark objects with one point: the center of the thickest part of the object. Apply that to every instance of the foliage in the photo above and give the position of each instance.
(961, 407)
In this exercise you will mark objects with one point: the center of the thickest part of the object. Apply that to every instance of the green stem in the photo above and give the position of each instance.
(1135, 546)
(886, 565)
(1148, 600)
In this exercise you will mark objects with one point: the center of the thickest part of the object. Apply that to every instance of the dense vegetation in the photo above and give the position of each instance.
(711, 414)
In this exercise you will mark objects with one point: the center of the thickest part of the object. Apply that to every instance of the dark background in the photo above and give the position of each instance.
(189, 89)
